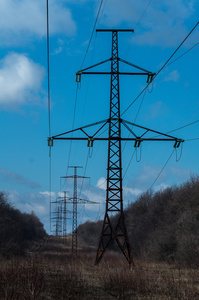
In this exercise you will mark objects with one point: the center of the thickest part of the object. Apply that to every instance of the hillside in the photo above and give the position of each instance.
(17, 230)
(162, 227)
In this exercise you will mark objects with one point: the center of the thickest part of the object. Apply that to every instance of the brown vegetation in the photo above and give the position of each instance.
(57, 275)
(162, 227)
(164, 234)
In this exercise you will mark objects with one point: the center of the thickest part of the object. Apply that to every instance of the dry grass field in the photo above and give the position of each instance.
(52, 273)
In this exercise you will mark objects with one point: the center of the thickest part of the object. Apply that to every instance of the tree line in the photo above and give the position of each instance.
(17, 230)
(162, 226)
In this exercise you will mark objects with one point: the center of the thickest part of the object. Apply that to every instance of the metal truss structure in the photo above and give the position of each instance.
(75, 201)
(115, 230)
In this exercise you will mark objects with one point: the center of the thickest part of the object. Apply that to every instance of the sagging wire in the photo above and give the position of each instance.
(152, 85)
(161, 170)
(129, 163)
(140, 153)
(49, 106)
(178, 158)
(90, 152)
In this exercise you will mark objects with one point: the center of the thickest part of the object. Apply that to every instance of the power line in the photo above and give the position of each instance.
(129, 163)
(182, 127)
(77, 83)
(95, 24)
(182, 55)
(161, 170)
(49, 106)
(48, 66)
(195, 139)
(73, 124)
(164, 65)
(142, 14)
(129, 135)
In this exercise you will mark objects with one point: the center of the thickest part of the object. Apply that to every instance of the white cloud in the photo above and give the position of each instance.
(101, 183)
(9, 176)
(131, 191)
(161, 187)
(157, 109)
(180, 173)
(172, 76)
(47, 193)
(20, 19)
(163, 23)
(20, 79)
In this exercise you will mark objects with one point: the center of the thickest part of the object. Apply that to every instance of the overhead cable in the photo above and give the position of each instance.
(195, 139)
(49, 107)
(48, 67)
(73, 124)
(182, 55)
(77, 83)
(129, 163)
(161, 68)
(142, 14)
(161, 170)
(182, 127)
(95, 24)
(137, 25)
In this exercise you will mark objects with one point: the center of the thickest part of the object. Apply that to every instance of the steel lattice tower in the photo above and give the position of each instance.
(114, 192)
(75, 202)
(114, 229)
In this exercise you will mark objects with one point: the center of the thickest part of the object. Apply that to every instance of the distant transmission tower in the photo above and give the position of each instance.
(75, 201)
(115, 230)
(58, 216)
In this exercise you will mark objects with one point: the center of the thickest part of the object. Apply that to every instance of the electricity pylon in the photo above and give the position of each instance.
(59, 215)
(115, 231)
(75, 201)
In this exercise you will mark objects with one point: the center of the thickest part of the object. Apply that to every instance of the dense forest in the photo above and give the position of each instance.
(162, 226)
(17, 230)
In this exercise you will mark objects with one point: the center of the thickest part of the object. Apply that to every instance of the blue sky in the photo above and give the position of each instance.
(170, 103)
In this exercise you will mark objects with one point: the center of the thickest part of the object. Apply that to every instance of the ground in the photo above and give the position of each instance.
(49, 271)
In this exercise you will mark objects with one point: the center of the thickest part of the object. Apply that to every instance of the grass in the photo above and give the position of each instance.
(53, 274)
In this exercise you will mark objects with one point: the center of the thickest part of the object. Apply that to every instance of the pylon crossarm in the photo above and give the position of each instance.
(124, 122)
(79, 129)
(93, 66)
(87, 201)
(135, 66)
(60, 136)
(129, 129)
(115, 72)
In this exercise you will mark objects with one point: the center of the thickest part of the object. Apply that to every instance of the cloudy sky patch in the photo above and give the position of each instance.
(20, 79)
(10, 176)
(22, 19)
